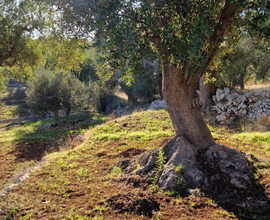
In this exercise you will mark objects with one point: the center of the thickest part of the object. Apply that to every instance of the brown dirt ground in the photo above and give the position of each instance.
(135, 200)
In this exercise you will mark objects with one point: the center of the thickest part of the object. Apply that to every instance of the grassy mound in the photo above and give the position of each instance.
(80, 184)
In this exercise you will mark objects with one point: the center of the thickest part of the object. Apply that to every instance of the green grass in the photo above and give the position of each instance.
(36, 131)
(254, 137)
(143, 126)
(21, 144)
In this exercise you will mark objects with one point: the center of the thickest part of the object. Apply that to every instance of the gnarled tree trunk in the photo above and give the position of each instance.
(207, 91)
(193, 140)
(184, 108)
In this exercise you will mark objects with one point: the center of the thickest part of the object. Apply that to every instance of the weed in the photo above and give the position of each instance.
(179, 168)
(160, 163)
(115, 171)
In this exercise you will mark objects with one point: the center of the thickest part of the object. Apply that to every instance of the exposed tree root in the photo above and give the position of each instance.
(199, 167)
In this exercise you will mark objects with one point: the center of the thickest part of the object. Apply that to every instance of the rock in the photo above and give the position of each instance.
(15, 179)
(228, 122)
(3, 193)
(221, 118)
(220, 94)
(10, 187)
(232, 96)
(264, 120)
(235, 103)
(78, 138)
(243, 105)
(226, 91)
(43, 160)
(24, 177)
(262, 128)
(195, 192)
(158, 105)
(232, 118)
(244, 112)
(230, 162)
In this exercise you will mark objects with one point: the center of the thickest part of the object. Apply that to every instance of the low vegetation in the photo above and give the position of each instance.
(24, 143)
(80, 183)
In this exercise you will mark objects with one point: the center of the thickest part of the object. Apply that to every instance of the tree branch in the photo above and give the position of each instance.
(224, 21)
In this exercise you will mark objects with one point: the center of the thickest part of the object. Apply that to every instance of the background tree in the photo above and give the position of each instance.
(235, 66)
(52, 92)
(261, 61)
(43, 94)
(19, 22)
(73, 93)
(145, 86)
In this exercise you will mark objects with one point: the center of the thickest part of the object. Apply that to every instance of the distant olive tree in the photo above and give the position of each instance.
(73, 93)
(52, 92)
(235, 67)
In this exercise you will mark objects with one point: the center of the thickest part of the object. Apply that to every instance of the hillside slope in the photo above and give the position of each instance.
(81, 184)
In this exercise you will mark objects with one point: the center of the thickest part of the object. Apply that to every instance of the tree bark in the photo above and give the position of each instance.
(184, 108)
(68, 113)
(207, 91)
(56, 116)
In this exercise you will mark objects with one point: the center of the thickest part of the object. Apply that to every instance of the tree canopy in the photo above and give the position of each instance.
(19, 22)
(185, 32)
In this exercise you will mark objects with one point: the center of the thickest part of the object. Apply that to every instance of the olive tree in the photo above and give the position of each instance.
(186, 35)
(235, 67)
(52, 92)
(73, 93)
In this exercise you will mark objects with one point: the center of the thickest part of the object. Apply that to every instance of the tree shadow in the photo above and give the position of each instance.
(33, 140)
(15, 101)
(250, 203)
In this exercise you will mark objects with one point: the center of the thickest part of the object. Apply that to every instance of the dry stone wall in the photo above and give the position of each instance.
(253, 105)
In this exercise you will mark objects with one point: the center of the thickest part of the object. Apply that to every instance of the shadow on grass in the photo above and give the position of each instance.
(14, 104)
(32, 139)
(16, 96)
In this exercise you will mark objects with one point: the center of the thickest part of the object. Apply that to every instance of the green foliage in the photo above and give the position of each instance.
(73, 93)
(179, 168)
(159, 166)
(116, 171)
(52, 92)
(235, 67)
(261, 61)
(102, 93)
(89, 67)
(257, 18)
(19, 52)
(64, 54)
(182, 37)
(144, 88)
